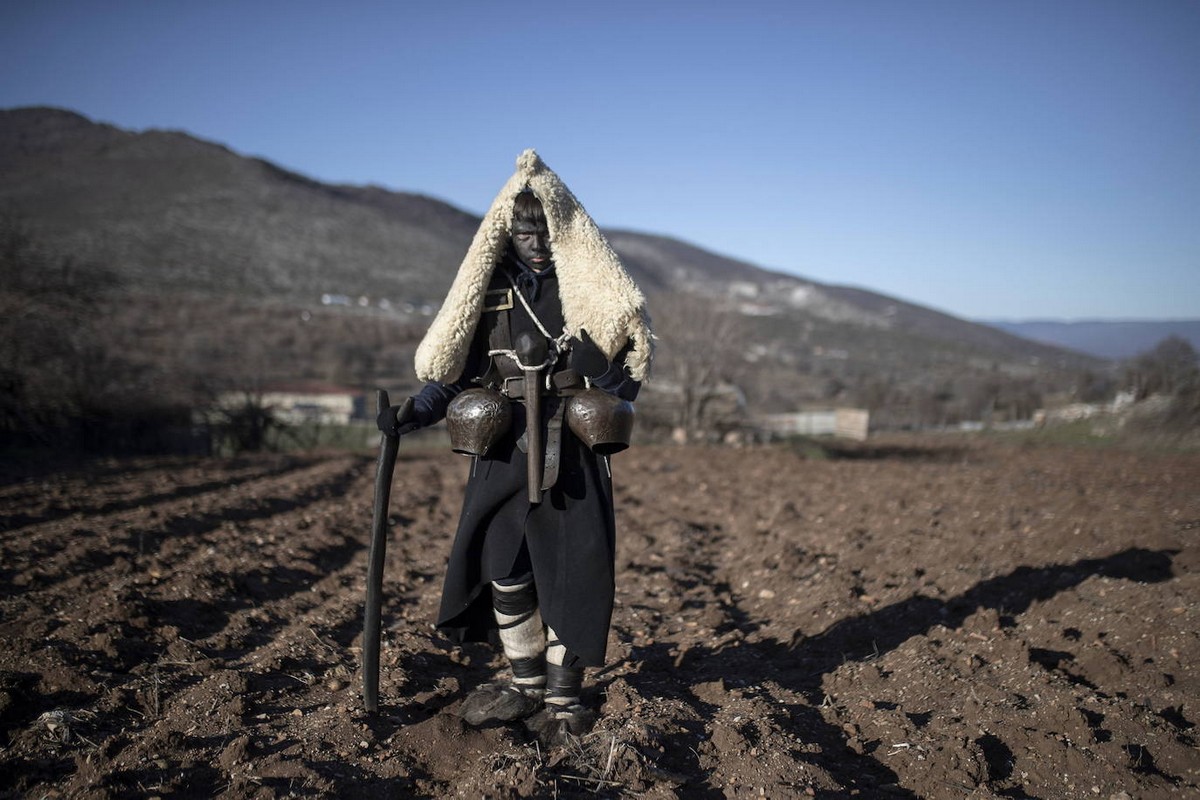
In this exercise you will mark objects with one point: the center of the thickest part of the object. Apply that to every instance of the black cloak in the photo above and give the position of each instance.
(570, 534)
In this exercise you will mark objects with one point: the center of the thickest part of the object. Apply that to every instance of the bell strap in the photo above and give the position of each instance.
(550, 465)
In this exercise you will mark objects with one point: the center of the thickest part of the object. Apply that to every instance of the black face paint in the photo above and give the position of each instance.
(531, 243)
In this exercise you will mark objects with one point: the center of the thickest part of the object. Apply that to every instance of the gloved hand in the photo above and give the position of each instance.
(586, 357)
(398, 420)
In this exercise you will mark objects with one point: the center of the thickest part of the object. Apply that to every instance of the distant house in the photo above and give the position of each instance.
(847, 423)
(306, 402)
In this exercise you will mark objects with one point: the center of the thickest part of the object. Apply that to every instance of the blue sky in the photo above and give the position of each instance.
(1014, 159)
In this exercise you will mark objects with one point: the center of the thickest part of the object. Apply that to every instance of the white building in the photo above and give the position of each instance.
(305, 402)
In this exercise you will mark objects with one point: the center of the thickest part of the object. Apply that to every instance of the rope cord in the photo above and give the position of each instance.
(524, 367)
(559, 341)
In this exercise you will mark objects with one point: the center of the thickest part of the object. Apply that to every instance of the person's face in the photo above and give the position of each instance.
(532, 244)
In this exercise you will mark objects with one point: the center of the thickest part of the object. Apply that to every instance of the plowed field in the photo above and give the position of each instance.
(919, 618)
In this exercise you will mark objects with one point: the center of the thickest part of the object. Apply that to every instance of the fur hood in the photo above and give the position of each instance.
(596, 291)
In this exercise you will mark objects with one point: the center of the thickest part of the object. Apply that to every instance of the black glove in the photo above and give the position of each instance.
(586, 357)
(398, 420)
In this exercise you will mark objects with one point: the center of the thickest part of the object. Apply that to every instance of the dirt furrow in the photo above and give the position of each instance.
(105, 490)
(141, 611)
(292, 659)
(699, 598)
(279, 630)
(87, 551)
(923, 619)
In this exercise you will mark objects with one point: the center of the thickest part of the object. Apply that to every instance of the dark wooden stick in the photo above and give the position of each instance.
(372, 613)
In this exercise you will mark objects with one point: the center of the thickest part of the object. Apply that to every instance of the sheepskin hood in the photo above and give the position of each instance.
(596, 291)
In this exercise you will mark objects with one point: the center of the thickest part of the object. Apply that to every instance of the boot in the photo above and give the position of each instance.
(564, 715)
(499, 702)
(524, 640)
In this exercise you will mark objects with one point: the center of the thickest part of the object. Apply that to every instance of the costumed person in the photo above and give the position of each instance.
(534, 360)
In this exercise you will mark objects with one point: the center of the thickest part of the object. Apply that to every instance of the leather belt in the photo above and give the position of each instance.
(563, 383)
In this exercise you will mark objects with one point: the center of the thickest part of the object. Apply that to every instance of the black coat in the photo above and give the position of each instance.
(570, 535)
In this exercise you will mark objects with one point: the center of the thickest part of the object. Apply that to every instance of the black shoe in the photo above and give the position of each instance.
(555, 725)
(499, 702)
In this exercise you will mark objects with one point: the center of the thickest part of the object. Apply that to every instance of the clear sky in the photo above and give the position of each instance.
(1016, 159)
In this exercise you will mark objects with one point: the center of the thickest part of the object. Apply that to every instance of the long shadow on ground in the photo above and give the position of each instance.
(800, 665)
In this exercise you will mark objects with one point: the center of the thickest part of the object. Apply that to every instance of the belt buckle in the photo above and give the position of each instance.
(504, 386)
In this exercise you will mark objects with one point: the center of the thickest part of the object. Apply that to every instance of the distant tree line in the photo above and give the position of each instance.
(710, 377)
(1171, 369)
(89, 365)
(64, 382)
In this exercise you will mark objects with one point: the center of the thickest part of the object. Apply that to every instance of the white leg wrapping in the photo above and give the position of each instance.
(563, 684)
(555, 652)
(523, 637)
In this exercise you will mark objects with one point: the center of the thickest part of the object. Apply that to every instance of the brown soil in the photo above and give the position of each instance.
(916, 619)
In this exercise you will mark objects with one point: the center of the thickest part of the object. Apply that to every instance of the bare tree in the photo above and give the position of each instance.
(50, 343)
(1170, 368)
(701, 353)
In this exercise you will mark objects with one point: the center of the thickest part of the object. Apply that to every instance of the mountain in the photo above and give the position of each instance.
(168, 210)
(1103, 338)
(176, 218)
